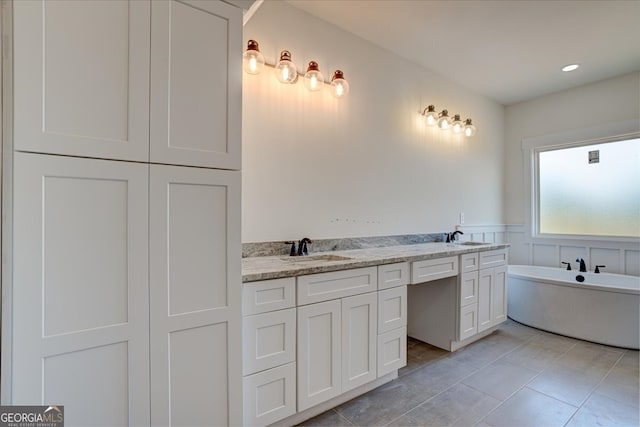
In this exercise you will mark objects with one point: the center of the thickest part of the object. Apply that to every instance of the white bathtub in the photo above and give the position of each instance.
(605, 308)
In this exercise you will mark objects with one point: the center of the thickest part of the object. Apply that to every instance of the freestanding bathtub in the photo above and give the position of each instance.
(604, 308)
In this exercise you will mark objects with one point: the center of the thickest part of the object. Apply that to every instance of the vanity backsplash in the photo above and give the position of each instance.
(276, 248)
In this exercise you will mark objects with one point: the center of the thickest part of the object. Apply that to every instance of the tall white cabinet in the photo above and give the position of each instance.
(125, 207)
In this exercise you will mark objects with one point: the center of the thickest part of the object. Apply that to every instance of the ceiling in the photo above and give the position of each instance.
(509, 51)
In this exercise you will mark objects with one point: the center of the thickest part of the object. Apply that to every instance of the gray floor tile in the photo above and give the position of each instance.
(386, 403)
(500, 379)
(330, 418)
(420, 354)
(622, 383)
(530, 408)
(603, 412)
(440, 376)
(540, 351)
(459, 405)
(569, 385)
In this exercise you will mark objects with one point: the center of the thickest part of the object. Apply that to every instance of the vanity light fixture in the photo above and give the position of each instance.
(252, 60)
(456, 125)
(339, 86)
(469, 128)
(313, 78)
(430, 115)
(287, 72)
(444, 122)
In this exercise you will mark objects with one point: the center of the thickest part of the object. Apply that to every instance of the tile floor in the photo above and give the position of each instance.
(517, 376)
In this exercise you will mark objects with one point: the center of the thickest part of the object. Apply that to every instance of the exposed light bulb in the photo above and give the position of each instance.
(252, 59)
(444, 122)
(457, 125)
(286, 71)
(430, 115)
(313, 78)
(339, 86)
(469, 128)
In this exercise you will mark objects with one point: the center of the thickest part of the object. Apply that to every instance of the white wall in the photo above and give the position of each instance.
(361, 166)
(596, 105)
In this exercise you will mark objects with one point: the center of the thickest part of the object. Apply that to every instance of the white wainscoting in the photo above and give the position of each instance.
(619, 257)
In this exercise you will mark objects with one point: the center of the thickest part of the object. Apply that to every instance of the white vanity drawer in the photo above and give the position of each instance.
(468, 288)
(336, 284)
(392, 275)
(269, 340)
(269, 396)
(392, 351)
(468, 325)
(433, 269)
(268, 295)
(469, 262)
(495, 258)
(392, 309)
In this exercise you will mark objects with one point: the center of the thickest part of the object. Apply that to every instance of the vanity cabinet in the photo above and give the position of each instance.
(269, 351)
(483, 293)
(463, 308)
(337, 345)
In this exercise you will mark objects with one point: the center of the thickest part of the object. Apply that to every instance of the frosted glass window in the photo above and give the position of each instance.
(590, 190)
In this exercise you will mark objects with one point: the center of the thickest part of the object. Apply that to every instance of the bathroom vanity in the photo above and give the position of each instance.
(322, 329)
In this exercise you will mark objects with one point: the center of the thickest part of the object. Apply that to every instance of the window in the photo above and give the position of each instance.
(588, 189)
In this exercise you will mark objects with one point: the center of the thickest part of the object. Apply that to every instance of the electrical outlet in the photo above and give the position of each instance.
(461, 217)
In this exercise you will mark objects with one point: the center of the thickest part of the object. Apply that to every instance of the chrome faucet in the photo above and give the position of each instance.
(583, 266)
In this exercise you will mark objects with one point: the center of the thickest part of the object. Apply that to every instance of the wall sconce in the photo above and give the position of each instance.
(253, 61)
(430, 115)
(339, 86)
(469, 129)
(313, 78)
(287, 72)
(444, 122)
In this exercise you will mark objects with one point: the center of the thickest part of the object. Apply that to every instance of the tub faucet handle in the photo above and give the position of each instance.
(597, 270)
(568, 265)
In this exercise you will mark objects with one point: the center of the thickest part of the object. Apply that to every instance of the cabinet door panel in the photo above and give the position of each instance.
(468, 288)
(319, 353)
(269, 340)
(81, 79)
(195, 287)
(485, 299)
(196, 84)
(499, 295)
(392, 351)
(80, 294)
(468, 321)
(392, 309)
(269, 396)
(359, 333)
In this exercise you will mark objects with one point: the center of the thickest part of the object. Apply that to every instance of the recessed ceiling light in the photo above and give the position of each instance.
(570, 67)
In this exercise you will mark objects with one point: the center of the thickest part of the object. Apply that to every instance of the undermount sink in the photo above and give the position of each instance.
(310, 258)
(472, 243)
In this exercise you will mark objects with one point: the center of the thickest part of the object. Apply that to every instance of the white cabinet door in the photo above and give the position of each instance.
(359, 343)
(80, 288)
(81, 78)
(499, 308)
(485, 299)
(319, 353)
(492, 297)
(195, 283)
(196, 83)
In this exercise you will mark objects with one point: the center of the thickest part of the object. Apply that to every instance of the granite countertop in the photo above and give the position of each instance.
(275, 267)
